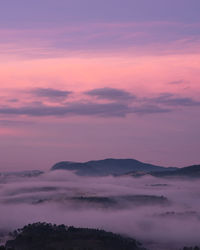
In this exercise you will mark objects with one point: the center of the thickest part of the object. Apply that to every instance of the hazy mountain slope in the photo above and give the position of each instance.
(108, 167)
(191, 171)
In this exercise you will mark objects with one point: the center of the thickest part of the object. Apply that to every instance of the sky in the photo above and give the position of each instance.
(84, 80)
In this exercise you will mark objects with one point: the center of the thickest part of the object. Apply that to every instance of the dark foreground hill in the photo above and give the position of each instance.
(43, 236)
(108, 167)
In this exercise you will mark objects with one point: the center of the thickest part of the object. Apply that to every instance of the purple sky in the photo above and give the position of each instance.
(84, 80)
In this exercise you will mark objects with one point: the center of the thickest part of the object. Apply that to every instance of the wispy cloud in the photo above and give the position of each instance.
(111, 94)
(177, 82)
(105, 102)
(78, 108)
(146, 109)
(173, 100)
(50, 93)
(14, 123)
(135, 37)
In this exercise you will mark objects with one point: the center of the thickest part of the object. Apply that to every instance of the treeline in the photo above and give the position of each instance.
(45, 236)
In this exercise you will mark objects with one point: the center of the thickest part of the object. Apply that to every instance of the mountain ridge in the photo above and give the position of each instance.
(109, 166)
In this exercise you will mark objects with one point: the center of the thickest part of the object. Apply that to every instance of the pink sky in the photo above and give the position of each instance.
(98, 89)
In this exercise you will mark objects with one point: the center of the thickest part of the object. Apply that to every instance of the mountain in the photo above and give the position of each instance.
(108, 167)
(191, 171)
(43, 236)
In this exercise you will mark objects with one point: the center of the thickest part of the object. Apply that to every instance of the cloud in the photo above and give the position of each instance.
(111, 94)
(173, 100)
(48, 198)
(114, 103)
(10, 123)
(141, 38)
(50, 93)
(13, 100)
(150, 109)
(113, 109)
(90, 108)
(177, 82)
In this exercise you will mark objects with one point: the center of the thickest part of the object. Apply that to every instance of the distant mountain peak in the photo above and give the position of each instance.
(108, 166)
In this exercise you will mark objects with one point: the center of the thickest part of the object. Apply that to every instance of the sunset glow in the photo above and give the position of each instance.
(112, 82)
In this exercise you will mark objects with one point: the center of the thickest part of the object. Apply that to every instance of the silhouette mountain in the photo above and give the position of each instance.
(109, 167)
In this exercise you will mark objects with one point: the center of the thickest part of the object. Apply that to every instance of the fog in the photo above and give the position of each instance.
(114, 204)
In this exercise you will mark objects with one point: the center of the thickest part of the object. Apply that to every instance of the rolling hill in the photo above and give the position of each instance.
(43, 236)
